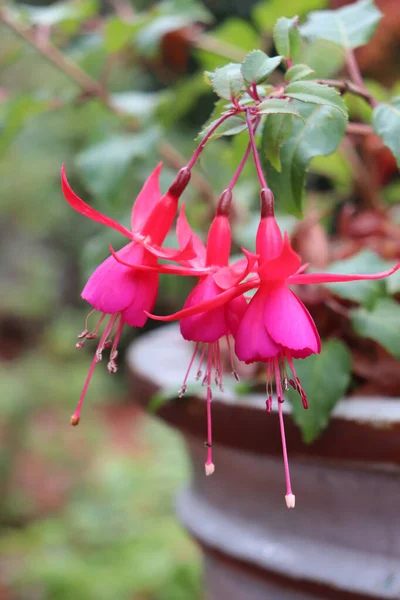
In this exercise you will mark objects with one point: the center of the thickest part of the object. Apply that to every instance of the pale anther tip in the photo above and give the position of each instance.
(75, 420)
(210, 468)
(290, 500)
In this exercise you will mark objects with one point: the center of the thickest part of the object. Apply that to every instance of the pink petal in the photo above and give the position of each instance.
(84, 209)
(157, 268)
(289, 323)
(184, 233)
(334, 278)
(231, 275)
(252, 340)
(148, 196)
(143, 300)
(183, 255)
(208, 326)
(234, 313)
(284, 265)
(112, 287)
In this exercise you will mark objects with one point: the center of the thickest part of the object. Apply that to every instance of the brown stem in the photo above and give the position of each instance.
(355, 74)
(362, 177)
(91, 87)
(351, 88)
(55, 56)
(359, 128)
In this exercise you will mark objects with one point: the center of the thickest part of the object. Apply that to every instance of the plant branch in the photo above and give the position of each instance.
(355, 74)
(87, 84)
(350, 87)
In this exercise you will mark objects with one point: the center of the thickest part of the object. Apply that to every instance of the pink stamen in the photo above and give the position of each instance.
(209, 466)
(289, 497)
(77, 414)
(234, 373)
(297, 382)
(199, 372)
(183, 389)
(112, 365)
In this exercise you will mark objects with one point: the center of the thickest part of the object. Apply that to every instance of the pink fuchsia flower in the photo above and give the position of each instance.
(211, 265)
(276, 326)
(123, 293)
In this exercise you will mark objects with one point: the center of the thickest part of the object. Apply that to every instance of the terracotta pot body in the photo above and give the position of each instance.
(343, 538)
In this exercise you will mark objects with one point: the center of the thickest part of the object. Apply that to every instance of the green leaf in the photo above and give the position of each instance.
(325, 379)
(320, 134)
(276, 105)
(298, 72)
(232, 126)
(257, 66)
(228, 81)
(14, 115)
(277, 130)
(104, 166)
(382, 324)
(393, 283)
(266, 13)
(365, 292)
(386, 123)
(287, 37)
(309, 91)
(119, 33)
(324, 57)
(350, 26)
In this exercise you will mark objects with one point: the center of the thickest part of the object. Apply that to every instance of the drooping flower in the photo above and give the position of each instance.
(211, 265)
(116, 290)
(276, 326)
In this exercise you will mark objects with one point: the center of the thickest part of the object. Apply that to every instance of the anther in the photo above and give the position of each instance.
(83, 334)
(286, 384)
(79, 345)
(236, 375)
(268, 404)
(182, 391)
(112, 366)
(207, 445)
(74, 420)
(99, 354)
(91, 336)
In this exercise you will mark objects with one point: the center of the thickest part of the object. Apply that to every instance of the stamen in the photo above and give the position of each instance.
(183, 389)
(112, 365)
(199, 372)
(92, 335)
(209, 466)
(297, 384)
(234, 373)
(219, 362)
(76, 416)
(289, 497)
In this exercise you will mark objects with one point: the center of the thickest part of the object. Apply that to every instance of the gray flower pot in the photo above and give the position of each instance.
(343, 538)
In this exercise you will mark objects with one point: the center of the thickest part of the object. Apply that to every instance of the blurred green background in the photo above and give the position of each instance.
(87, 513)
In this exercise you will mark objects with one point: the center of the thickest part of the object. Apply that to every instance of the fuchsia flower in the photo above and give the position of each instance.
(116, 290)
(276, 327)
(211, 265)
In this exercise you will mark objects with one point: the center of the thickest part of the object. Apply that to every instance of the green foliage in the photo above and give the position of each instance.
(381, 324)
(287, 37)
(267, 12)
(349, 27)
(257, 66)
(277, 106)
(325, 378)
(228, 82)
(319, 134)
(298, 72)
(315, 93)
(386, 123)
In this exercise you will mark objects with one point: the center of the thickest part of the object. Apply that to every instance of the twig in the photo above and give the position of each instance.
(355, 74)
(352, 88)
(89, 85)
(359, 128)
